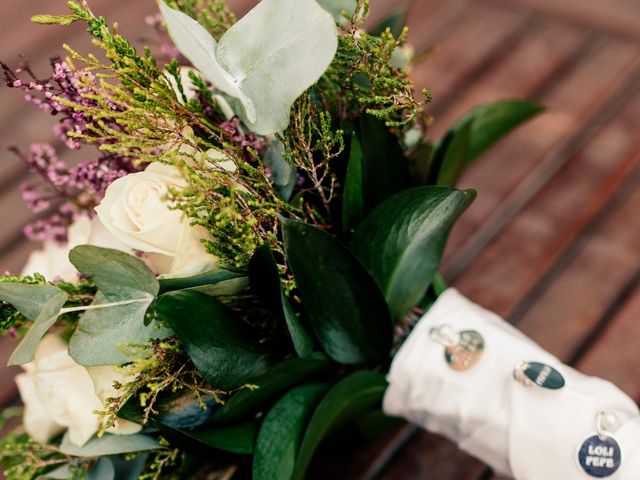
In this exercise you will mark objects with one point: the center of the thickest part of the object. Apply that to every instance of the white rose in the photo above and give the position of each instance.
(52, 260)
(136, 212)
(59, 394)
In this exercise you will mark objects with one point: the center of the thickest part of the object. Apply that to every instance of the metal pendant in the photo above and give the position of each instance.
(463, 350)
(600, 455)
(539, 374)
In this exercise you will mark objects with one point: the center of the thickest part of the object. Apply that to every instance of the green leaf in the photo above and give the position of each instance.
(126, 289)
(401, 242)
(483, 126)
(266, 60)
(281, 432)
(205, 279)
(345, 307)
(265, 281)
(118, 275)
(103, 470)
(338, 7)
(353, 194)
(395, 22)
(349, 397)
(278, 379)
(283, 175)
(39, 303)
(109, 444)
(239, 438)
(455, 157)
(385, 169)
(220, 345)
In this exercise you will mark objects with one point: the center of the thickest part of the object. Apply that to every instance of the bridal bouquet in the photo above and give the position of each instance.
(226, 275)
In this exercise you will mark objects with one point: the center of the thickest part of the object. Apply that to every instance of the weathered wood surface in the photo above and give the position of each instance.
(553, 240)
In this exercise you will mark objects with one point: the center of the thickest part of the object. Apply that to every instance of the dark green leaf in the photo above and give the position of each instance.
(239, 438)
(394, 22)
(265, 281)
(346, 309)
(385, 169)
(40, 303)
(278, 379)
(203, 279)
(281, 432)
(455, 157)
(352, 197)
(401, 242)
(486, 125)
(351, 396)
(218, 343)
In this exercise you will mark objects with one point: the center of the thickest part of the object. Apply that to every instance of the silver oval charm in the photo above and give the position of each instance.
(539, 374)
(467, 352)
(600, 457)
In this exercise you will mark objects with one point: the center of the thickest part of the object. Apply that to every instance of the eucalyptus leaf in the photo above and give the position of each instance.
(118, 275)
(353, 194)
(116, 319)
(103, 470)
(338, 7)
(401, 242)
(218, 343)
(129, 469)
(279, 378)
(483, 126)
(109, 444)
(281, 432)
(40, 303)
(351, 396)
(266, 60)
(103, 335)
(346, 309)
(265, 281)
(283, 175)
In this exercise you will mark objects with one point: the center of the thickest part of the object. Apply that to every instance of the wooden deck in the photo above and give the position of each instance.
(553, 240)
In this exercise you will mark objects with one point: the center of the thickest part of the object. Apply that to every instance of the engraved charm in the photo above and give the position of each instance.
(539, 374)
(598, 457)
(463, 350)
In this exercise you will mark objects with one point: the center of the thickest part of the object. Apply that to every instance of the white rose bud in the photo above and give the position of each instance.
(136, 212)
(59, 394)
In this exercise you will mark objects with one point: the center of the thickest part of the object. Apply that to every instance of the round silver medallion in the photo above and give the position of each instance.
(599, 457)
(467, 352)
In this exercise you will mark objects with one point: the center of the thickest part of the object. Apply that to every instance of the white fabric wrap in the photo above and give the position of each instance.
(529, 433)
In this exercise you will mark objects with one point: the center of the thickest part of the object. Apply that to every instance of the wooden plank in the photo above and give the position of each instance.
(621, 17)
(615, 356)
(481, 33)
(515, 170)
(532, 243)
